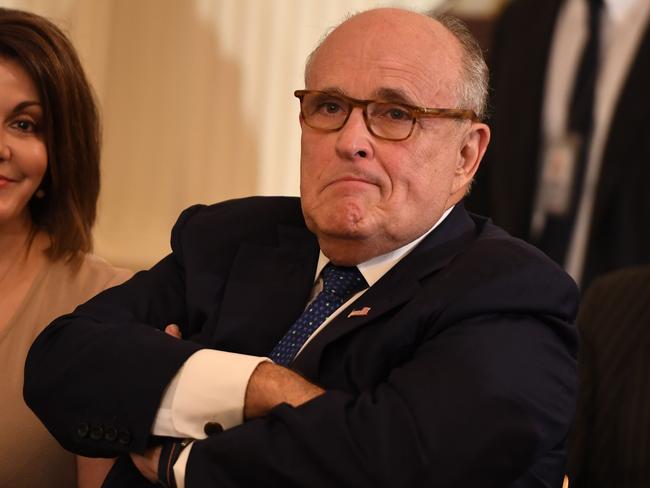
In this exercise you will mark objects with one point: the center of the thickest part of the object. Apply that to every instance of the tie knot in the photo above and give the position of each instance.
(342, 281)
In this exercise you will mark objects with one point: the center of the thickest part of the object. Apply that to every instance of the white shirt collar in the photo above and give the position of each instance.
(618, 8)
(373, 269)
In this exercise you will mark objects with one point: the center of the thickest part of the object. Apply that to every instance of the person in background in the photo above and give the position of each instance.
(370, 333)
(610, 442)
(49, 184)
(568, 163)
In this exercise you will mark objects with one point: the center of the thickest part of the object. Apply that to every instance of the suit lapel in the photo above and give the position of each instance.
(396, 287)
(518, 80)
(267, 289)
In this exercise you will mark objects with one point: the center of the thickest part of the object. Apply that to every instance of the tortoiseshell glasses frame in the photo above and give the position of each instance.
(393, 121)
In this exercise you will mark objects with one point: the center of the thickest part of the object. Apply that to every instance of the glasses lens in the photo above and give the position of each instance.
(324, 111)
(390, 120)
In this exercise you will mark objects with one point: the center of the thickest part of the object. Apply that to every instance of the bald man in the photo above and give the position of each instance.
(371, 333)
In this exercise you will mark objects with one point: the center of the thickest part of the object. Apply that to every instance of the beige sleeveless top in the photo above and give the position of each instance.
(29, 455)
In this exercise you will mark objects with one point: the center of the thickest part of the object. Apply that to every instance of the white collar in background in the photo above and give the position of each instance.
(618, 8)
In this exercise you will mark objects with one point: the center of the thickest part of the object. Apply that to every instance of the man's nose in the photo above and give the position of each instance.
(354, 140)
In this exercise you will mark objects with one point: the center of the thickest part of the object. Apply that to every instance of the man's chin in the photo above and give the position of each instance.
(342, 225)
(345, 234)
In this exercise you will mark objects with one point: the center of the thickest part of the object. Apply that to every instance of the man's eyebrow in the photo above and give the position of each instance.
(332, 90)
(384, 94)
(394, 95)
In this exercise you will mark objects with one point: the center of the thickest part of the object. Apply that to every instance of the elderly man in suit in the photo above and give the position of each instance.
(410, 343)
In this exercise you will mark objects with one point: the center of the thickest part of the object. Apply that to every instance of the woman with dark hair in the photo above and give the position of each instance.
(49, 184)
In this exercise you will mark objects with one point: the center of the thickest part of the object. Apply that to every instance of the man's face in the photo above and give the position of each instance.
(370, 194)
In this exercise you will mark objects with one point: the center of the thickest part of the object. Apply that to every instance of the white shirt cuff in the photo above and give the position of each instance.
(209, 387)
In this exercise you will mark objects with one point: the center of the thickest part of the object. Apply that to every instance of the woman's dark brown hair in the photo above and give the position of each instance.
(71, 130)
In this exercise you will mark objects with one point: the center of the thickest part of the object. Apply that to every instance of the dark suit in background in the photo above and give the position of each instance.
(610, 444)
(461, 374)
(508, 180)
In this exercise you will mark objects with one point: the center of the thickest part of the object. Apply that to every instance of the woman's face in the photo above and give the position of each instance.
(23, 155)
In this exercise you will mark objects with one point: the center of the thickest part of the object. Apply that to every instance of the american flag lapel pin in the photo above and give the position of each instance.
(362, 312)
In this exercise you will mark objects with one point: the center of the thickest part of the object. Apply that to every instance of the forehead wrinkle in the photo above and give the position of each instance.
(393, 49)
(416, 85)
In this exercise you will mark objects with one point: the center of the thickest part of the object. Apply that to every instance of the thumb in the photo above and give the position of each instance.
(174, 331)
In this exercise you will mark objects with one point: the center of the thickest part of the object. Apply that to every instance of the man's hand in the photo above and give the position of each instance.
(173, 330)
(91, 472)
(147, 463)
(270, 385)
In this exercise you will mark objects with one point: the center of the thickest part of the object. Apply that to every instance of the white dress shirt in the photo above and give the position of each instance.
(623, 22)
(211, 384)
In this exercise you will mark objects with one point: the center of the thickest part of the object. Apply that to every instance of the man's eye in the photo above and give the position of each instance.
(392, 113)
(398, 114)
(332, 108)
(329, 108)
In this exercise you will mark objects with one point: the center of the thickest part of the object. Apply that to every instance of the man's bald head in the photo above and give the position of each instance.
(472, 86)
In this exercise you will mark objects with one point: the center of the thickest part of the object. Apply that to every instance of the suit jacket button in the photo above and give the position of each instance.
(96, 432)
(212, 428)
(124, 437)
(110, 433)
(82, 429)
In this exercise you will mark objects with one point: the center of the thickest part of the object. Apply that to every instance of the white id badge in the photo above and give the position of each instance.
(557, 176)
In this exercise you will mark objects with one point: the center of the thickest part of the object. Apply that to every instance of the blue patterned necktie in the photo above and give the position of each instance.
(339, 284)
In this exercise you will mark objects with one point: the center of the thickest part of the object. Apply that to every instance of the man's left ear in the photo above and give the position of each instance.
(472, 149)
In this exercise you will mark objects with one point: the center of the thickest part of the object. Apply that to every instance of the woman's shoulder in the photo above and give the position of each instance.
(88, 275)
(62, 285)
(101, 269)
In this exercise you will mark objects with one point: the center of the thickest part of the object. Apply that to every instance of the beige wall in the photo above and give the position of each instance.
(197, 103)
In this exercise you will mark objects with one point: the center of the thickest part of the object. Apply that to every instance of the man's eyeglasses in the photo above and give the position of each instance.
(392, 121)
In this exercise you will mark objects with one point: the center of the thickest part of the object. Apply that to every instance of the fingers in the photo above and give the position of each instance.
(147, 464)
(174, 331)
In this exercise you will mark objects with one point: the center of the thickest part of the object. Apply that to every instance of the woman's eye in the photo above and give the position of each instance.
(24, 125)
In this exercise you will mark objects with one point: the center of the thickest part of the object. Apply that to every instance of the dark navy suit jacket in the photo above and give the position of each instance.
(462, 374)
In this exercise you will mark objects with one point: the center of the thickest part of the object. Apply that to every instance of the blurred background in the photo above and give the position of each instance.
(197, 101)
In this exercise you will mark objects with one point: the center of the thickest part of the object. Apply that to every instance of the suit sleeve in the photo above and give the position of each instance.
(483, 402)
(110, 352)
